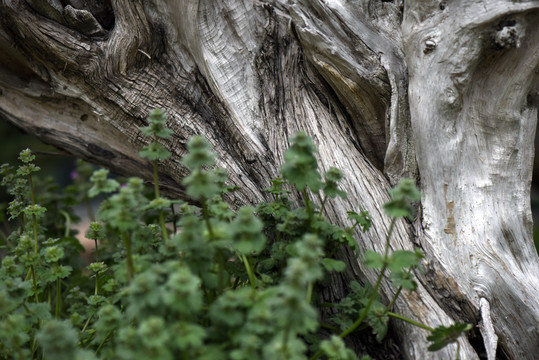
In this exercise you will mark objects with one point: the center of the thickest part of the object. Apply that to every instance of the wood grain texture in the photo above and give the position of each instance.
(476, 176)
(440, 92)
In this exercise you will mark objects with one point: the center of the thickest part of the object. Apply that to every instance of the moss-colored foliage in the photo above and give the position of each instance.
(173, 281)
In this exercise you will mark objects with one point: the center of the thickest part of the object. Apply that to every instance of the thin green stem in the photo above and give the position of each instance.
(388, 237)
(367, 307)
(127, 243)
(67, 223)
(96, 251)
(399, 290)
(173, 212)
(155, 180)
(310, 292)
(206, 217)
(221, 272)
(34, 225)
(87, 323)
(157, 196)
(104, 341)
(33, 349)
(34, 283)
(365, 311)
(376, 287)
(354, 226)
(250, 273)
(58, 298)
(308, 205)
(323, 205)
(286, 334)
(97, 273)
(392, 302)
(34, 219)
(162, 224)
(409, 321)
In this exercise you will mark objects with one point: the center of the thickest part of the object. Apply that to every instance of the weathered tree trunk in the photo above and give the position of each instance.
(446, 93)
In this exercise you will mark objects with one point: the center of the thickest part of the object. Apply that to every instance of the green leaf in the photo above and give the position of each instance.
(200, 185)
(26, 156)
(97, 267)
(246, 232)
(199, 154)
(159, 204)
(188, 335)
(443, 336)
(58, 272)
(401, 196)
(403, 279)
(363, 219)
(153, 332)
(333, 176)
(155, 151)
(101, 184)
(377, 318)
(95, 231)
(335, 349)
(182, 292)
(300, 167)
(231, 307)
(25, 170)
(58, 340)
(398, 208)
(405, 189)
(157, 127)
(277, 187)
(373, 260)
(344, 236)
(402, 259)
(53, 253)
(36, 210)
(333, 265)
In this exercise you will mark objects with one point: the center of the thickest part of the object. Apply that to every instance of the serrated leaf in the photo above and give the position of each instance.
(443, 336)
(333, 265)
(300, 167)
(373, 260)
(404, 280)
(363, 219)
(402, 259)
(155, 151)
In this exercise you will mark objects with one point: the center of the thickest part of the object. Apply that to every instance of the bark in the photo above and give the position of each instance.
(446, 93)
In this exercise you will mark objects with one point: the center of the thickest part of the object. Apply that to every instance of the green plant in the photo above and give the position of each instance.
(172, 280)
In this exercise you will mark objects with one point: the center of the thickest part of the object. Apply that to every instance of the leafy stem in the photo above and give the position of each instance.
(58, 298)
(323, 204)
(127, 243)
(157, 196)
(409, 321)
(34, 228)
(374, 292)
(96, 291)
(250, 273)
(307, 205)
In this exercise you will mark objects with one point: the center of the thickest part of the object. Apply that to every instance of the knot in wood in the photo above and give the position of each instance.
(507, 37)
(430, 45)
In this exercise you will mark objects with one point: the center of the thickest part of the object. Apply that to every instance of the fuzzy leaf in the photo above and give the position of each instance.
(443, 336)
(373, 260)
(333, 265)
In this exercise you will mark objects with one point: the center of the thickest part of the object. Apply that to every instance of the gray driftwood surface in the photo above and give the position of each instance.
(445, 92)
